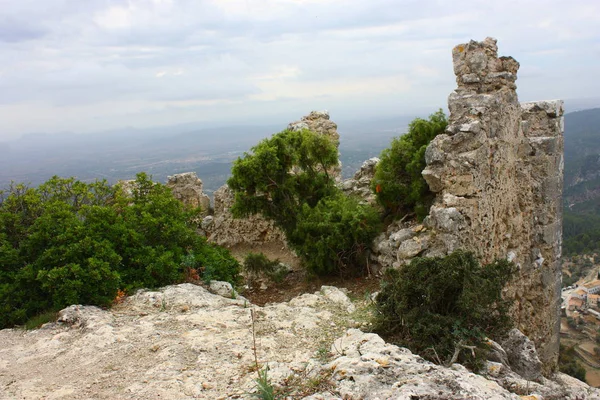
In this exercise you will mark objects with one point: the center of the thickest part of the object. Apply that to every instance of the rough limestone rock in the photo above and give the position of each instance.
(127, 186)
(187, 188)
(497, 173)
(318, 122)
(180, 342)
(400, 243)
(360, 184)
(522, 356)
(223, 289)
(497, 353)
(367, 367)
(225, 230)
(560, 387)
(183, 342)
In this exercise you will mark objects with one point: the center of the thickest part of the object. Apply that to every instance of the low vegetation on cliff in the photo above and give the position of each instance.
(438, 307)
(288, 178)
(69, 242)
(398, 182)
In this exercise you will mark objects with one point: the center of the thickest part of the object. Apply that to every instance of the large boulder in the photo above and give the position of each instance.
(522, 356)
(183, 342)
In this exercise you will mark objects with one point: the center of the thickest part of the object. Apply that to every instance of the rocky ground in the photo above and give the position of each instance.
(183, 342)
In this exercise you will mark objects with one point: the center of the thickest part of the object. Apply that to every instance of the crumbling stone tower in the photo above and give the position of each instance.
(498, 176)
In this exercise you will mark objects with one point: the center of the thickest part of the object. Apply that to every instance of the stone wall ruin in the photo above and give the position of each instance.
(497, 173)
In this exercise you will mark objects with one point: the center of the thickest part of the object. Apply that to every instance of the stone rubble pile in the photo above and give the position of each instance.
(225, 230)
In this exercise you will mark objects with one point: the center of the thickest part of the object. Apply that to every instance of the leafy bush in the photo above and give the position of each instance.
(332, 237)
(217, 264)
(68, 242)
(433, 305)
(39, 320)
(256, 264)
(398, 182)
(282, 174)
(286, 179)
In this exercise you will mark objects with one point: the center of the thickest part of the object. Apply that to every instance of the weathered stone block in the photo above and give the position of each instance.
(413, 247)
(433, 179)
(522, 356)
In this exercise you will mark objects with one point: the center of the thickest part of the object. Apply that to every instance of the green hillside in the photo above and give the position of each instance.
(581, 228)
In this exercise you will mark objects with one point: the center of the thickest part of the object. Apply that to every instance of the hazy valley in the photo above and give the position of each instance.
(162, 152)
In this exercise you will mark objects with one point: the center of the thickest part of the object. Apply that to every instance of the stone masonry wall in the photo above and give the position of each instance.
(497, 173)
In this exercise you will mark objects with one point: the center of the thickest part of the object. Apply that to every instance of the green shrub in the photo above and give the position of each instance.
(68, 242)
(217, 264)
(41, 319)
(279, 273)
(398, 182)
(333, 236)
(256, 264)
(282, 174)
(152, 231)
(433, 304)
(286, 179)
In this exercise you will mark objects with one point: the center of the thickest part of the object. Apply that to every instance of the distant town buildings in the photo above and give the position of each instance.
(584, 298)
(592, 287)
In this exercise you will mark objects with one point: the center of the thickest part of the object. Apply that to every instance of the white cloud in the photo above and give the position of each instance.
(81, 64)
(115, 18)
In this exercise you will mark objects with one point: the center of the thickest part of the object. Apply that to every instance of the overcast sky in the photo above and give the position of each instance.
(90, 65)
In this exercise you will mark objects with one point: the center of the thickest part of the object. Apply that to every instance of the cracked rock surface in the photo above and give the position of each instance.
(183, 342)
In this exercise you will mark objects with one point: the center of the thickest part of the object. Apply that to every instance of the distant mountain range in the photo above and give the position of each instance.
(582, 158)
(163, 151)
(209, 152)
